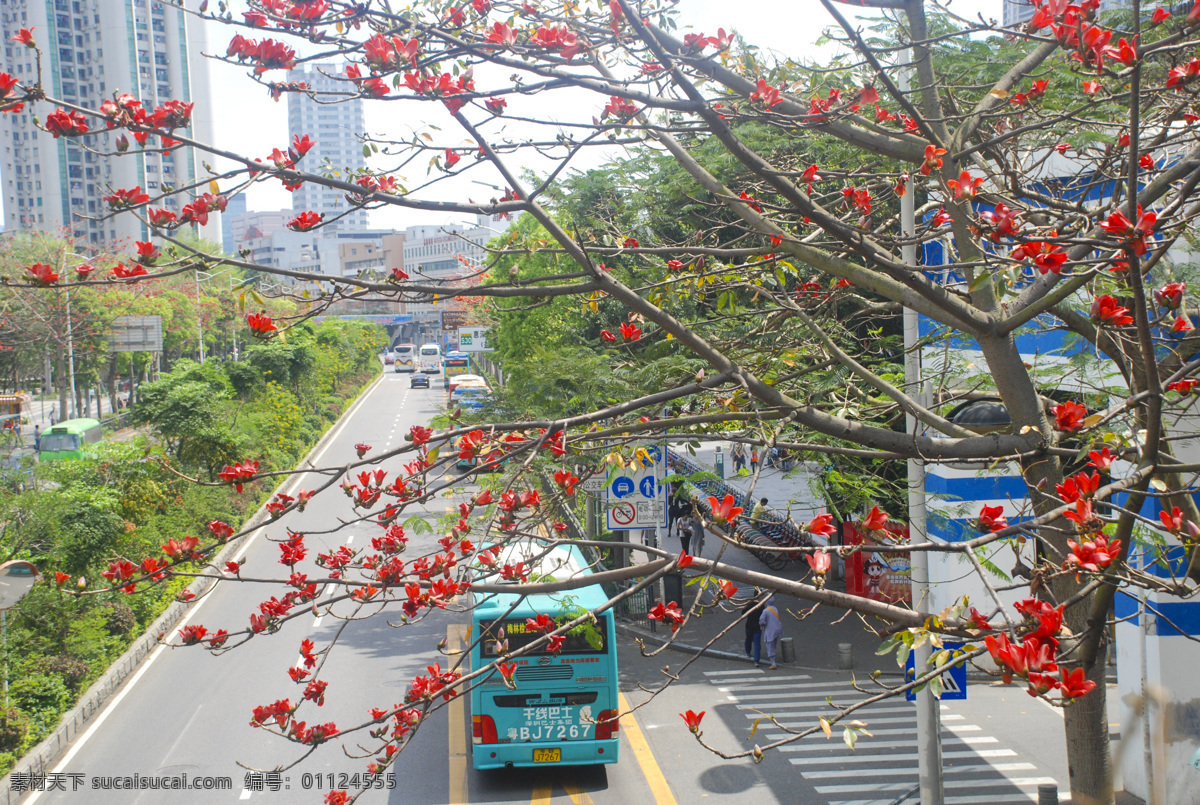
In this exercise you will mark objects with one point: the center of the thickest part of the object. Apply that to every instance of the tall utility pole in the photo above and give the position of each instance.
(929, 726)
(71, 357)
(199, 315)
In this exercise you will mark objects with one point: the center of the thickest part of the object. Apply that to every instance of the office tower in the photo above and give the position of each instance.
(333, 116)
(92, 49)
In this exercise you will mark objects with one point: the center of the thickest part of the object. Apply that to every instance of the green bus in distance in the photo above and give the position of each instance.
(67, 439)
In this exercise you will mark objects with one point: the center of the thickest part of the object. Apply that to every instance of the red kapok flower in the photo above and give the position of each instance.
(693, 719)
(1105, 310)
(875, 519)
(724, 511)
(822, 524)
(305, 221)
(42, 273)
(260, 324)
(820, 562)
(1069, 416)
(991, 519)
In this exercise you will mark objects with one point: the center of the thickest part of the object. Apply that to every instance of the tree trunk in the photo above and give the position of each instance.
(1089, 754)
(1089, 757)
(63, 388)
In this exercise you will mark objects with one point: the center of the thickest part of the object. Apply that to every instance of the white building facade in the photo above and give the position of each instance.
(333, 117)
(90, 50)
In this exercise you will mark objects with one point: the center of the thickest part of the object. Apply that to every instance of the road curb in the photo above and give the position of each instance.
(39, 760)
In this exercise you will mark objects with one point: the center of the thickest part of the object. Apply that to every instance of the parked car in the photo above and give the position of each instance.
(419, 379)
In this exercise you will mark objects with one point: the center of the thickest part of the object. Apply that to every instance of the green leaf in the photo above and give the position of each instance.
(850, 737)
(417, 525)
(979, 282)
(366, 150)
(936, 687)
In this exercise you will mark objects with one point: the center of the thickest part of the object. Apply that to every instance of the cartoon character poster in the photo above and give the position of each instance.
(876, 575)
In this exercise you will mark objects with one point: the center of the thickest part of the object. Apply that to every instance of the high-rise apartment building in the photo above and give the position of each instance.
(333, 117)
(92, 49)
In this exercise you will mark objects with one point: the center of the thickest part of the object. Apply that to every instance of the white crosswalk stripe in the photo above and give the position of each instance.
(977, 770)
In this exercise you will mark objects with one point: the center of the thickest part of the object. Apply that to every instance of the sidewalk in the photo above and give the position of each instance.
(787, 491)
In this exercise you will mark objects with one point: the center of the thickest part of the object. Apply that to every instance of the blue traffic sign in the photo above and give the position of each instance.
(622, 486)
(648, 486)
(954, 681)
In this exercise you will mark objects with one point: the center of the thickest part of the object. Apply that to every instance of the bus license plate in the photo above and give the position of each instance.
(547, 755)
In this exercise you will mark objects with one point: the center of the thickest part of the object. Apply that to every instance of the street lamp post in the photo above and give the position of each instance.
(929, 742)
(71, 338)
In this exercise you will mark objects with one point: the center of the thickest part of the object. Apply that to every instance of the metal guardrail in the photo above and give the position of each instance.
(760, 537)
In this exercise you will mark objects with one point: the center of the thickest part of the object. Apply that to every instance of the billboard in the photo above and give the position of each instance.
(136, 334)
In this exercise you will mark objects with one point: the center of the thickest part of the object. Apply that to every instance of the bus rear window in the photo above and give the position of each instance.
(430, 351)
(587, 638)
(404, 350)
(55, 442)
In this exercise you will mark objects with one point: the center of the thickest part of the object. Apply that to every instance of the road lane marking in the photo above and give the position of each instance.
(578, 795)
(541, 794)
(154, 655)
(458, 738)
(645, 758)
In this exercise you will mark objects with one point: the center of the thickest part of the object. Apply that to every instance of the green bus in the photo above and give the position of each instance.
(68, 438)
(561, 708)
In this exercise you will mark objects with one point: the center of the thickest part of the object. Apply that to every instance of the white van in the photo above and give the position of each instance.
(430, 359)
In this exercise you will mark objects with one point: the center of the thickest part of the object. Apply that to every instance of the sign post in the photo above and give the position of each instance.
(636, 498)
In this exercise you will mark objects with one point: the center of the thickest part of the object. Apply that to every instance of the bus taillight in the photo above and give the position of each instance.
(607, 725)
(483, 730)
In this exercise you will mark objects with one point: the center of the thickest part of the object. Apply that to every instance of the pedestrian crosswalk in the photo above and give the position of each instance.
(976, 767)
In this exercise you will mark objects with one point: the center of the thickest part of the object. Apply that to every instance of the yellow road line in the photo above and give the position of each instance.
(457, 731)
(645, 758)
(578, 795)
(541, 794)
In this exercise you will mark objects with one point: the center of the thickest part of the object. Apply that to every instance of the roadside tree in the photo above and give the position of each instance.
(1052, 170)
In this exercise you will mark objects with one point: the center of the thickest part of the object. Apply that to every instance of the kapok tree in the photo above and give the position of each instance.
(1053, 166)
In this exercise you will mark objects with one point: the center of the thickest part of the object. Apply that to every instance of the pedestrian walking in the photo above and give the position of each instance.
(738, 453)
(678, 510)
(753, 631)
(685, 534)
(754, 459)
(37, 437)
(697, 525)
(772, 631)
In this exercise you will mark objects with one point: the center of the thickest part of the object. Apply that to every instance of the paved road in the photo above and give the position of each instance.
(188, 712)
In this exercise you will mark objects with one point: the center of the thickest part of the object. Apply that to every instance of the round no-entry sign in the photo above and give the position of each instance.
(624, 514)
